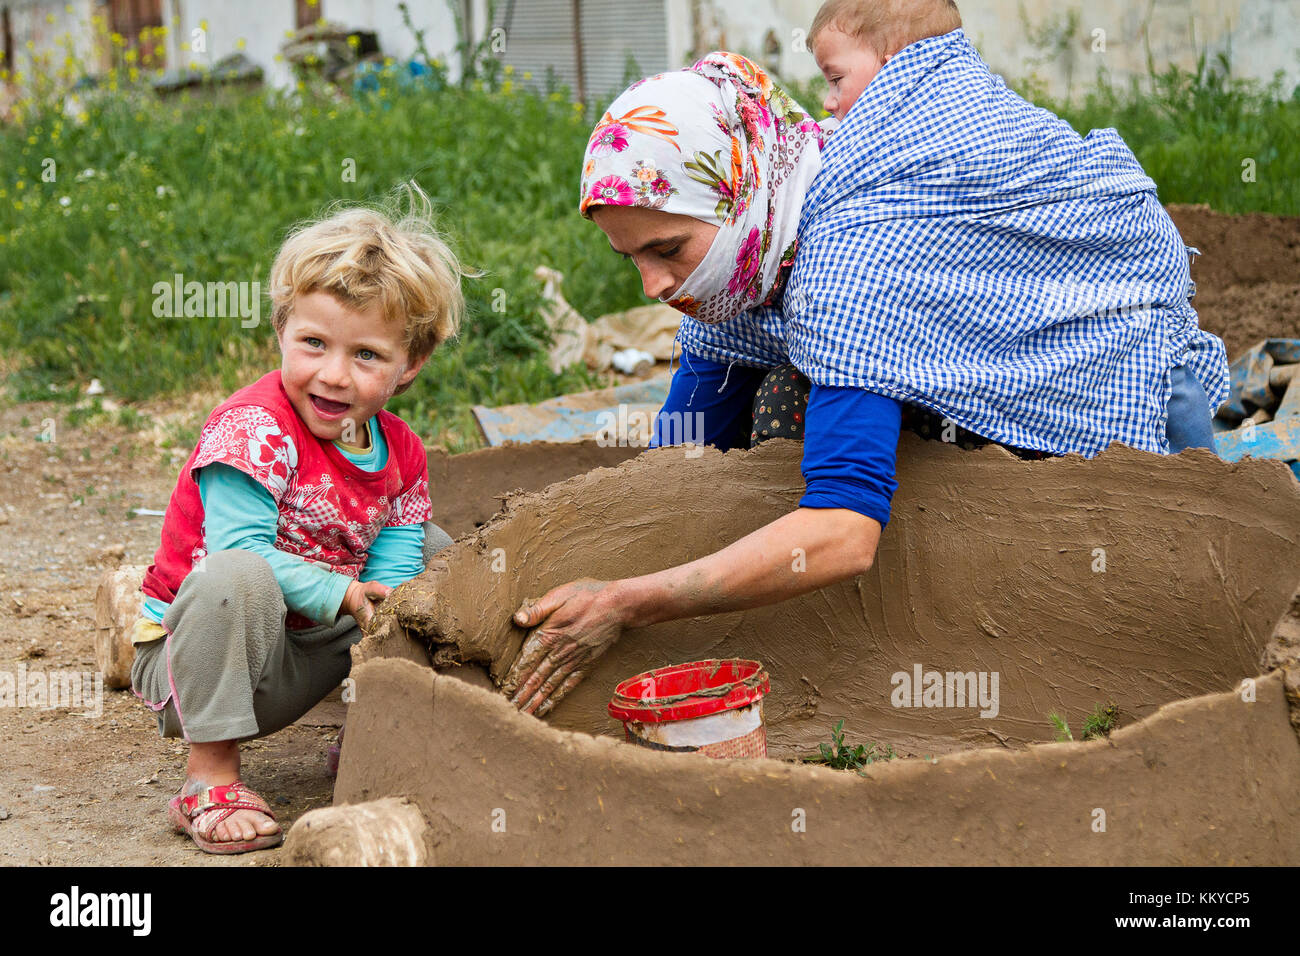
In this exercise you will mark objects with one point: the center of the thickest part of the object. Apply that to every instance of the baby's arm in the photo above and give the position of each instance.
(240, 514)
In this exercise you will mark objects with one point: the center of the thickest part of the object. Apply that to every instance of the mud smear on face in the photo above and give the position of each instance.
(1132, 576)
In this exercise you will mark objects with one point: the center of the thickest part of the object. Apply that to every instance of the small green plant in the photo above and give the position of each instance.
(1101, 721)
(838, 756)
(1096, 725)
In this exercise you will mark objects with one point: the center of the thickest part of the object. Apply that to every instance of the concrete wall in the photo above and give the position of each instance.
(260, 26)
(1053, 40)
(49, 26)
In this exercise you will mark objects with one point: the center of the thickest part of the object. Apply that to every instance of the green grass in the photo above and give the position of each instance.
(837, 755)
(1096, 725)
(1192, 130)
(208, 185)
(208, 188)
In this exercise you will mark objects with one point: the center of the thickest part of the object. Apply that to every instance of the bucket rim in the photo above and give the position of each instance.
(750, 686)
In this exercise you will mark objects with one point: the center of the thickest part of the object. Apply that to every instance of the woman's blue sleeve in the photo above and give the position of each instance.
(850, 450)
(700, 409)
(240, 515)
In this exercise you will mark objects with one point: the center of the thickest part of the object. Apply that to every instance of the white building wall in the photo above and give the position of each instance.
(1262, 36)
(261, 25)
(1018, 38)
(1064, 54)
(395, 39)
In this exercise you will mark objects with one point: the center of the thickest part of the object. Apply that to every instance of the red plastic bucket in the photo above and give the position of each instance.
(710, 707)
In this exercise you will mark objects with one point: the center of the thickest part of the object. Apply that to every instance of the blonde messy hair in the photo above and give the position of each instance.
(886, 26)
(363, 255)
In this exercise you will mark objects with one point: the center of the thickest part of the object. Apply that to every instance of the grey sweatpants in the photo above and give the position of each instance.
(228, 669)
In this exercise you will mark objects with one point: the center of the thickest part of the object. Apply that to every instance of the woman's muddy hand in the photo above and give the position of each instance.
(572, 626)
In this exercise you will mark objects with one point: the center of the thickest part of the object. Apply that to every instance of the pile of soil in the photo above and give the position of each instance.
(1247, 276)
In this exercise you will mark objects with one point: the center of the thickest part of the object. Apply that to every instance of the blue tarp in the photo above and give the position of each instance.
(1250, 390)
(623, 415)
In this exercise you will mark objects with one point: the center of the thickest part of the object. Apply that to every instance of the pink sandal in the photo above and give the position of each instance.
(200, 813)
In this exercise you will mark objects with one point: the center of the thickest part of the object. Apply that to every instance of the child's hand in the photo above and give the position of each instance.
(357, 600)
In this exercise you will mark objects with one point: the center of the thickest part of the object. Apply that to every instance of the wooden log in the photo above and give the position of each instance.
(387, 832)
(117, 605)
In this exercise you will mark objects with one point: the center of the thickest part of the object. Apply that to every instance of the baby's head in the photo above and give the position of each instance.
(359, 301)
(853, 39)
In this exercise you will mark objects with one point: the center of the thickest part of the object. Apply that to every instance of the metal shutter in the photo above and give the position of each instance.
(622, 41)
(540, 34)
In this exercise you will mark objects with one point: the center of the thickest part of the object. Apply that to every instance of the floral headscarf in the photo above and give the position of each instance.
(720, 143)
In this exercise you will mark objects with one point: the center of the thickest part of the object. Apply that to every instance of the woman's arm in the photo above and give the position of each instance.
(799, 552)
(848, 459)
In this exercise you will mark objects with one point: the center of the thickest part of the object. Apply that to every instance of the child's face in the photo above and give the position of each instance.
(848, 65)
(341, 366)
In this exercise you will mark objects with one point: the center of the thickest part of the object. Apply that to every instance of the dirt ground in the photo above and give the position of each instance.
(78, 790)
(1247, 276)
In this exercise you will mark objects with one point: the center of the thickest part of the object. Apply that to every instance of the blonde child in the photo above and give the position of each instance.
(303, 502)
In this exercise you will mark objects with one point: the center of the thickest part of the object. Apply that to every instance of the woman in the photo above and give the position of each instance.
(1038, 300)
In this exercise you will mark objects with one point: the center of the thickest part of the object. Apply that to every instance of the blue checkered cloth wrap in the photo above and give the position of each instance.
(966, 251)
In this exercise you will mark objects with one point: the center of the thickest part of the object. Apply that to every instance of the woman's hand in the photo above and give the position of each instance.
(579, 621)
(358, 597)
(573, 625)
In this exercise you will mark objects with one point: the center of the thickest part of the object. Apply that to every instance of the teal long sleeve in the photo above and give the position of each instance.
(239, 514)
(396, 555)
